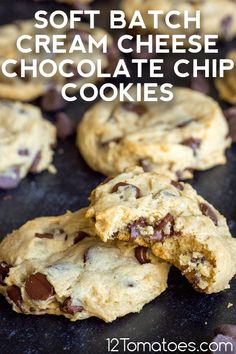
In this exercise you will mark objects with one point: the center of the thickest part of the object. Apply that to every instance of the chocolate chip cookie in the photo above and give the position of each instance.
(26, 142)
(28, 88)
(175, 138)
(172, 219)
(217, 16)
(55, 265)
(227, 85)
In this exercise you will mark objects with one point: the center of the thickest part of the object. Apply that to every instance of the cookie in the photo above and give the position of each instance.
(226, 86)
(217, 16)
(29, 88)
(170, 217)
(175, 138)
(26, 142)
(55, 265)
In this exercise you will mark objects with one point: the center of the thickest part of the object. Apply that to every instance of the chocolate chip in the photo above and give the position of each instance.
(44, 235)
(137, 108)
(227, 330)
(78, 5)
(17, 70)
(184, 123)
(113, 57)
(230, 115)
(71, 33)
(23, 152)
(65, 126)
(141, 254)
(34, 165)
(208, 211)
(193, 143)
(226, 25)
(198, 260)
(145, 164)
(86, 255)
(52, 101)
(10, 181)
(80, 236)
(70, 68)
(4, 270)
(159, 229)
(135, 226)
(14, 294)
(38, 287)
(223, 345)
(126, 185)
(180, 173)
(68, 307)
(200, 84)
(177, 185)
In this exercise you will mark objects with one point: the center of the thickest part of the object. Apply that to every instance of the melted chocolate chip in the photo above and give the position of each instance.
(71, 33)
(86, 255)
(52, 101)
(137, 108)
(141, 254)
(198, 260)
(193, 143)
(4, 270)
(34, 165)
(159, 230)
(180, 174)
(44, 235)
(14, 294)
(68, 307)
(184, 123)
(23, 152)
(227, 330)
(70, 68)
(200, 84)
(177, 185)
(226, 25)
(113, 57)
(65, 126)
(38, 287)
(80, 236)
(208, 211)
(145, 164)
(135, 226)
(126, 185)
(11, 181)
(17, 70)
(230, 115)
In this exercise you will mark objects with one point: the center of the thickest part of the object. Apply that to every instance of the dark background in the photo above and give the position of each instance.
(180, 314)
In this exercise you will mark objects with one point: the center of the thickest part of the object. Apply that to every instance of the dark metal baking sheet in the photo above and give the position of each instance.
(179, 314)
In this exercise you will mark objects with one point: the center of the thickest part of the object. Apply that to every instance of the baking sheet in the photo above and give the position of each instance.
(179, 314)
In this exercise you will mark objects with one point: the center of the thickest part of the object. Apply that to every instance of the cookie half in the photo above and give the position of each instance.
(175, 138)
(170, 217)
(57, 266)
(26, 142)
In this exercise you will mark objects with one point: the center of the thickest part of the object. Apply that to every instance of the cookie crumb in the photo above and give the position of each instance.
(230, 305)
